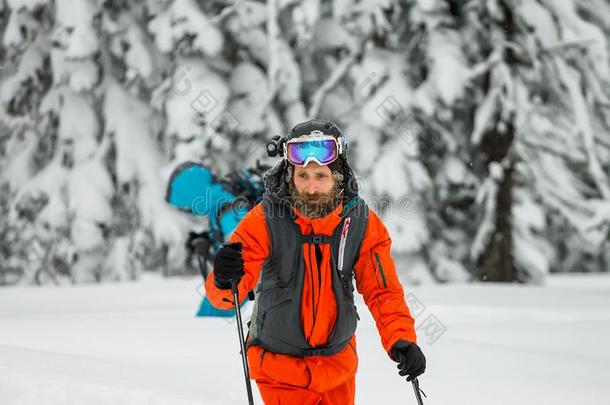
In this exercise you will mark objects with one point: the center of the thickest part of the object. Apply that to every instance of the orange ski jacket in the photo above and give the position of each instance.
(376, 279)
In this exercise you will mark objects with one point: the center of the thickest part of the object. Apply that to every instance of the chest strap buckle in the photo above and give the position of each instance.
(313, 352)
(316, 239)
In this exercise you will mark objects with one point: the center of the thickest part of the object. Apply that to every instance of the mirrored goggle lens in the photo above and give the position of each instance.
(323, 151)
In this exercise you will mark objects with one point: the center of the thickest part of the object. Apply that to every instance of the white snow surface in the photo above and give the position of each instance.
(139, 343)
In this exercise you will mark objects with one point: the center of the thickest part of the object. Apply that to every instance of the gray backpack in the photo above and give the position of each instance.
(276, 319)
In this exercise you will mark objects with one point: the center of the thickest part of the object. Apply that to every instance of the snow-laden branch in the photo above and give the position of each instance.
(481, 68)
(580, 214)
(562, 46)
(487, 198)
(574, 156)
(273, 31)
(330, 83)
(226, 12)
(570, 79)
(601, 215)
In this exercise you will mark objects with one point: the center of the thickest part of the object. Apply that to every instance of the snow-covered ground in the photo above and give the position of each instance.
(139, 344)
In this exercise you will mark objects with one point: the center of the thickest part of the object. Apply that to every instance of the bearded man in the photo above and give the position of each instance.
(300, 250)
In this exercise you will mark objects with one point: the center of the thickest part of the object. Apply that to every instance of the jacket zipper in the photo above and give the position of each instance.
(317, 250)
(385, 285)
(314, 265)
(375, 271)
(313, 298)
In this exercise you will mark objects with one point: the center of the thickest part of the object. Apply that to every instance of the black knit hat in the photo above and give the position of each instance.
(307, 127)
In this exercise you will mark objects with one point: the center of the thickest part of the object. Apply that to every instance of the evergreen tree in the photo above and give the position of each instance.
(479, 129)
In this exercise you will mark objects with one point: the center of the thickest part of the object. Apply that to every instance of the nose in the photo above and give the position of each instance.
(311, 187)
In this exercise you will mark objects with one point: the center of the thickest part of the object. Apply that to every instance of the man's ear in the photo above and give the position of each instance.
(288, 177)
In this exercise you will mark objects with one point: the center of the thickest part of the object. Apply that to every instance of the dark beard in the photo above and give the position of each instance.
(324, 205)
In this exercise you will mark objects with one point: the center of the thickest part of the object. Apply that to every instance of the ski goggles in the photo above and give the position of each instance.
(316, 147)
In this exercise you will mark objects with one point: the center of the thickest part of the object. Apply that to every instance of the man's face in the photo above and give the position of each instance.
(314, 192)
(313, 181)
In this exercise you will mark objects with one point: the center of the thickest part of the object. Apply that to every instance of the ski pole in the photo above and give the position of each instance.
(240, 331)
(418, 392)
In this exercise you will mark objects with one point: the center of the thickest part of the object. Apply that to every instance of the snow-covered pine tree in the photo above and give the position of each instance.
(543, 133)
(76, 163)
(464, 109)
(479, 128)
(102, 99)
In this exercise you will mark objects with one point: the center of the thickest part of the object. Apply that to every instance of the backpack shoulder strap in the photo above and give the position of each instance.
(350, 234)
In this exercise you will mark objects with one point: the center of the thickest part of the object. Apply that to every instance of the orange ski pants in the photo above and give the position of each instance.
(277, 393)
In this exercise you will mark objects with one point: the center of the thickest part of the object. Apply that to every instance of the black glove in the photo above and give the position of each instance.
(411, 359)
(228, 265)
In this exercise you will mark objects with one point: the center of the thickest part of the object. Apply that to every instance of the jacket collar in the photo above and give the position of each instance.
(319, 226)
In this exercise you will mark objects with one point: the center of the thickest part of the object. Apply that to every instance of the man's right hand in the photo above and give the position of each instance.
(228, 265)
(411, 359)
